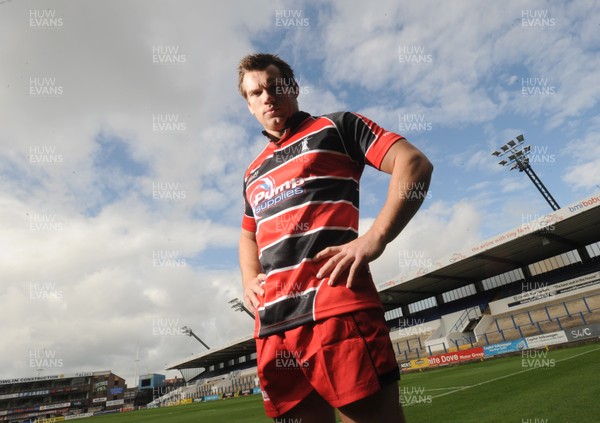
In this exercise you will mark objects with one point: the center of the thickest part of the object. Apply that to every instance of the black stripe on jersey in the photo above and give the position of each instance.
(292, 250)
(287, 314)
(318, 189)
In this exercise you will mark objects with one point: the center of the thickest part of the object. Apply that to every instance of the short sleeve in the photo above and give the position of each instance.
(248, 222)
(364, 140)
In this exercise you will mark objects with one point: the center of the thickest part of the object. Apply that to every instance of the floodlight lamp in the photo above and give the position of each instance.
(504, 148)
(503, 163)
(496, 153)
(526, 149)
(512, 143)
(520, 138)
(512, 157)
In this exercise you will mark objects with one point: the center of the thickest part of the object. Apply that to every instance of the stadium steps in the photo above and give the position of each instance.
(529, 330)
(406, 349)
(494, 338)
(577, 306)
(471, 325)
(593, 318)
(549, 326)
(594, 301)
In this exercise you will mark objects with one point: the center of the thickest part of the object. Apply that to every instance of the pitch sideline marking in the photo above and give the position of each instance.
(505, 376)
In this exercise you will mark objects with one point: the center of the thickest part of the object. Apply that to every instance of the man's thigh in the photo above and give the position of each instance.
(382, 407)
(282, 382)
(344, 359)
(348, 357)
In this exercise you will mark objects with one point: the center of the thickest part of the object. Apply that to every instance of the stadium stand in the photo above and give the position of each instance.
(76, 395)
(538, 278)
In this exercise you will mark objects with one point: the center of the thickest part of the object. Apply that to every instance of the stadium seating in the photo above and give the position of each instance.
(552, 316)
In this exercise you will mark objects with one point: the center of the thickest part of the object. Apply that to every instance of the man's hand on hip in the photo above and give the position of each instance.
(252, 290)
(349, 257)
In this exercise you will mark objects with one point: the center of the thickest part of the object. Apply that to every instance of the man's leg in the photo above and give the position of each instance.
(312, 409)
(381, 407)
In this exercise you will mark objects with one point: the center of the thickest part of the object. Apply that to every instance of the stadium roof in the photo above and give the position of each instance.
(238, 348)
(568, 228)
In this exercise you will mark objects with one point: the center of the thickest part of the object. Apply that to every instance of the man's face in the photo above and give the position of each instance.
(271, 98)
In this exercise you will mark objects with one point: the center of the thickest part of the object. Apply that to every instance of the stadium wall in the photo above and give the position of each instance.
(577, 334)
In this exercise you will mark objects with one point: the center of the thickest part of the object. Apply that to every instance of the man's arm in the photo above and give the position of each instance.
(411, 174)
(252, 275)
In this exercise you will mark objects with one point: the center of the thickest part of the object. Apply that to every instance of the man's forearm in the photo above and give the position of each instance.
(411, 175)
(248, 254)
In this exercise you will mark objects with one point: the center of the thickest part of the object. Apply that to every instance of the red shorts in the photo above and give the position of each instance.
(344, 358)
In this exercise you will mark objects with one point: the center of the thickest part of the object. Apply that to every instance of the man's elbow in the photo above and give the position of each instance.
(421, 165)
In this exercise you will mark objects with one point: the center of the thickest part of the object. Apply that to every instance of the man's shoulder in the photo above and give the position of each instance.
(341, 118)
(335, 115)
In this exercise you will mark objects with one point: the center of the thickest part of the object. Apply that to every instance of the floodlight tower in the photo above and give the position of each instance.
(518, 159)
(188, 331)
(238, 305)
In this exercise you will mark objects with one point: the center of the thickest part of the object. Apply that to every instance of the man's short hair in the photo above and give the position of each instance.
(260, 61)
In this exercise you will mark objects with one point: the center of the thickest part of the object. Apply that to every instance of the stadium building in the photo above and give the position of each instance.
(76, 395)
(535, 285)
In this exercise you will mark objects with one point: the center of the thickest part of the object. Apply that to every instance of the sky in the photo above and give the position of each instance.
(123, 142)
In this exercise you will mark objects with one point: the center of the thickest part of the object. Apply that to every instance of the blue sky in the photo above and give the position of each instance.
(124, 141)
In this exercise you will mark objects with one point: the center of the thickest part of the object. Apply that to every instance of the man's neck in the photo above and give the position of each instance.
(276, 134)
(291, 122)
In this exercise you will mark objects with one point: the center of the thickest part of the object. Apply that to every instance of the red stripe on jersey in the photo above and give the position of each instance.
(382, 143)
(309, 126)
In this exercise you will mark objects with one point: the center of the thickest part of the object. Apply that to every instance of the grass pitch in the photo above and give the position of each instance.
(557, 386)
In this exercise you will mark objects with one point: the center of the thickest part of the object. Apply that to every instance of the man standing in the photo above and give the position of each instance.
(321, 338)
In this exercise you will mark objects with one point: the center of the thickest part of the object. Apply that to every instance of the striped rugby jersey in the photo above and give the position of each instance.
(301, 195)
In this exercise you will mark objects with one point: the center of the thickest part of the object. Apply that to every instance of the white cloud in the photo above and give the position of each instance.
(435, 232)
(584, 174)
(107, 223)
